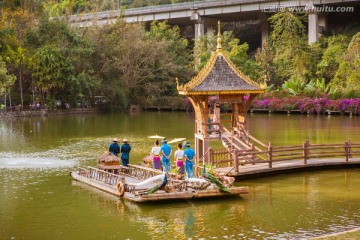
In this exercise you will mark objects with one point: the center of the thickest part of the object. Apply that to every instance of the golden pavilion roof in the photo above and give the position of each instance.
(220, 76)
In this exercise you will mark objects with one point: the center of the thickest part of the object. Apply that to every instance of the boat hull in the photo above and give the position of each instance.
(159, 195)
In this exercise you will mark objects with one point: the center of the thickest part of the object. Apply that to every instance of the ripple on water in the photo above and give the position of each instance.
(16, 160)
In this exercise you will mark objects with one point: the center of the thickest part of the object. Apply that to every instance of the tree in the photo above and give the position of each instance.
(63, 63)
(6, 80)
(347, 76)
(50, 69)
(139, 67)
(289, 47)
(332, 56)
(264, 57)
(19, 60)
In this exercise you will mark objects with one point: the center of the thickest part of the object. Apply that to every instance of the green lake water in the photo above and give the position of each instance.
(38, 199)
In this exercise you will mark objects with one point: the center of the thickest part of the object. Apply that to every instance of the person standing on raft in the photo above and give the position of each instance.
(114, 147)
(166, 151)
(179, 155)
(155, 153)
(125, 152)
(190, 157)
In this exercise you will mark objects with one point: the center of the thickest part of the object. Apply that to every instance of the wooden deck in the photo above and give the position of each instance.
(247, 157)
(263, 169)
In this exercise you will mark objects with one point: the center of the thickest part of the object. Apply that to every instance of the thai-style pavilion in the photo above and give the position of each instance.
(220, 77)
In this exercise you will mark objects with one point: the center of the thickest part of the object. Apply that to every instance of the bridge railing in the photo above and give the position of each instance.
(303, 152)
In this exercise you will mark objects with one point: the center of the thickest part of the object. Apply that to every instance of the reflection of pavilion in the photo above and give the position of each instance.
(220, 78)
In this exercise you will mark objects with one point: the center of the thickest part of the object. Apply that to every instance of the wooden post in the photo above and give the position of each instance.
(270, 154)
(232, 139)
(236, 160)
(306, 151)
(347, 151)
(253, 154)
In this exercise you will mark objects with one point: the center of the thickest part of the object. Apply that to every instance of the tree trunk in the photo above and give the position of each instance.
(21, 88)
(10, 99)
(5, 100)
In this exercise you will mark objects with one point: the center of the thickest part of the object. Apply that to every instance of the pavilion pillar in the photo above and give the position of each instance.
(243, 107)
(200, 104)
(235, 115)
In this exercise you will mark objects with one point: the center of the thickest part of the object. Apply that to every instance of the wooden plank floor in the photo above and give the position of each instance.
(259, 169)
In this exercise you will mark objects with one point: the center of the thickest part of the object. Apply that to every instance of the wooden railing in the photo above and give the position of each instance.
(303, 152)
(133, 171)
(236, 143)
(139, 172)
(99, 175)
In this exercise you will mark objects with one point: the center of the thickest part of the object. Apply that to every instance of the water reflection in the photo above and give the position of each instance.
(38, 200)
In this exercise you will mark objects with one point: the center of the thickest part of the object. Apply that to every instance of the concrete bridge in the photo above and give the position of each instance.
(205, 14)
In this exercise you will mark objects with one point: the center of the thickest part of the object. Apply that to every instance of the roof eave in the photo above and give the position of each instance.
(225, 92)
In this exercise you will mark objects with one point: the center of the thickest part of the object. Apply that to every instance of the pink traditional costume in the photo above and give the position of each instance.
(155, 151)
(179, 156)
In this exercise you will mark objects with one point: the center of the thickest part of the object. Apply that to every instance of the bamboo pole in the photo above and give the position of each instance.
(347, 151)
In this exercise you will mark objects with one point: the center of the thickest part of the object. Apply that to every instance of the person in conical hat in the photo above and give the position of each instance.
(125, 152)
(114, 147)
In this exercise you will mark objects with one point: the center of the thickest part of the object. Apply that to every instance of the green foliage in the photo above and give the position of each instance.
(136, 66)
(264, 57)
(238, 55)
(289, 48)
(315, 88)
(295, 86)
(51, 68)
(347, 76)
(130, 64)
(6, 80)
(332, 57)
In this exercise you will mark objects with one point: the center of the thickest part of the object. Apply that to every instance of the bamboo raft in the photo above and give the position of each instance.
(137, 181)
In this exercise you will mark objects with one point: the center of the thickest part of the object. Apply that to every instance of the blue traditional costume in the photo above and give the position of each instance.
(190, 156)
(125, 151)
(114, 147)
(166, 150)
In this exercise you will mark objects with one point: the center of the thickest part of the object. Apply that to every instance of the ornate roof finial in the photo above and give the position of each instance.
(218, 47)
